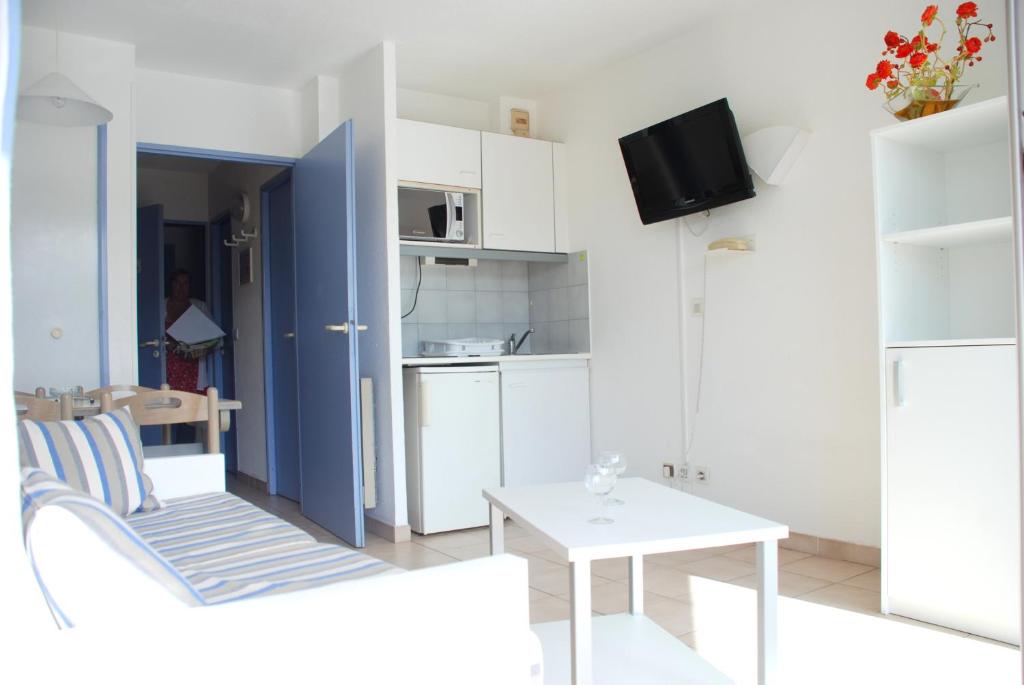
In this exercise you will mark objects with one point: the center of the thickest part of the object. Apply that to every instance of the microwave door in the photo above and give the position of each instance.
(439, 221)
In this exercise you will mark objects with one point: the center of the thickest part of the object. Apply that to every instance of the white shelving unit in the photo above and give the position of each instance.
(947, 361)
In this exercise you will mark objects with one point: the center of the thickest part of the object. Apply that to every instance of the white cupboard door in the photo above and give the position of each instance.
(545, 420)
(559, 169)
(441, 155)
(460, 448)
(952, 488)
(518, 193)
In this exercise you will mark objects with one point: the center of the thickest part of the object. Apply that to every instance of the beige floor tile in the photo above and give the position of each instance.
(514, 530)
(550, 555)
(469, 551)
(872, 580)
(667, 582)
(790, 584)
(846, 597)
(461, 538)
(412, 557)
(719, 568)
(525, 544)
(537, 594)
(612, 569)
(831, 570)
(673, 615)
(689, 639)
(554, 579)
(749, 554)
(679, 558)
(613, 598)
(549, 609)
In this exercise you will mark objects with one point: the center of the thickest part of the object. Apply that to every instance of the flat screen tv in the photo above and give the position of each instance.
(686, 164)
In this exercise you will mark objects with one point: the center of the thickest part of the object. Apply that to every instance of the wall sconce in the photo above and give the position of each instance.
(771, 152)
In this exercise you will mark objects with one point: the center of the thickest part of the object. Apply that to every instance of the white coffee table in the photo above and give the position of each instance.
(654, 519)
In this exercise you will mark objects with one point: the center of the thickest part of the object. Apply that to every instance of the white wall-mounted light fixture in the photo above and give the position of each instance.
(57, 101)
(771, 152)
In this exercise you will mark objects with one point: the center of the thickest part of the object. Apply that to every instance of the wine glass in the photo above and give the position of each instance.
(599, 481)
(616, 463)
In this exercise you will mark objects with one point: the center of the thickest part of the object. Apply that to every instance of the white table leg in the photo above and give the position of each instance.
(581, 631)
(497, 530)
(767, 610)
(636, 585)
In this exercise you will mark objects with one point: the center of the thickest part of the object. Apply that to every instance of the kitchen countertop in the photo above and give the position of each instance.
(443, 361)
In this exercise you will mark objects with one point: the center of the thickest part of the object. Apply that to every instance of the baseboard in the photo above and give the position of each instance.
(833, 549)
(387, 531)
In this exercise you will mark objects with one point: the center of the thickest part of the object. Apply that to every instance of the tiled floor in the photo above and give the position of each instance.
(675, 589)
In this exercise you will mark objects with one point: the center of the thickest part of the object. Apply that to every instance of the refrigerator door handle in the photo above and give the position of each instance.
(424, 405)
(898, 383)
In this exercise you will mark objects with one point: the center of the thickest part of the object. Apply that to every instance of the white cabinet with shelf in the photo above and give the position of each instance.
(518, 193)
(947, 346)
(942, 205)
(439, 155)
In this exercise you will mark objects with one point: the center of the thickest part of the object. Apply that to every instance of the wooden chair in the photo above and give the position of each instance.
(45, 409)
(165, 407)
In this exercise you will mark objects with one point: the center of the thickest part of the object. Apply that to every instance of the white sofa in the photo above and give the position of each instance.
(466, 622)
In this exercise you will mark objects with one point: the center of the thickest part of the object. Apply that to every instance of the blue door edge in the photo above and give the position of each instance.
(356, 414)
(269, 417)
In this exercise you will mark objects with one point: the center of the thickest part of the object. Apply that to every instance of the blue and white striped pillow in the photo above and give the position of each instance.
(101, 456)
(40, 490)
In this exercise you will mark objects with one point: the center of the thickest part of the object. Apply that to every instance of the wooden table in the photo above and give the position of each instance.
(654, 519)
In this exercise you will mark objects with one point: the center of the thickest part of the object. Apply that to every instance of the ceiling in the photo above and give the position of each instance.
(469, 48)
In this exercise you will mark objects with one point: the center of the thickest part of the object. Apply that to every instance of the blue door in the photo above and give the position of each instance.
(279, 277)
(222, 309)
(325, 289)
(150, 304)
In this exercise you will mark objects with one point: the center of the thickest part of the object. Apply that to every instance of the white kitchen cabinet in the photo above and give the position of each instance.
(559, 170)
(545, 421)
(439, 155)
(518, 193)
(951, 488)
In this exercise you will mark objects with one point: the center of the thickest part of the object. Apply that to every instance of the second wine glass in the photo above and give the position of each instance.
(616, 463)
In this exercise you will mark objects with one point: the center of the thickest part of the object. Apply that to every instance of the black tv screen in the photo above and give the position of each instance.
(689, 163)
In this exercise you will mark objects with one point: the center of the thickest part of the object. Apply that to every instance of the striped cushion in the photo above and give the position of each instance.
(40, 490)
(101, 456)
(230, 550)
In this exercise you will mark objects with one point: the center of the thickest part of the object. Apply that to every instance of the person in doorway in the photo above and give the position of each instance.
(184, 372)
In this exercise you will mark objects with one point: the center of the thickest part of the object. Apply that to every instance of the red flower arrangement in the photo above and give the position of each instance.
(914, 70)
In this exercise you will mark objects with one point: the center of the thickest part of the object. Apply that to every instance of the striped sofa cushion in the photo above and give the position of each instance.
(229, 549)
(40, 490)
(101, 456)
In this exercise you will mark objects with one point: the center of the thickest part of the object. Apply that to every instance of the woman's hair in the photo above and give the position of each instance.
(180, 272)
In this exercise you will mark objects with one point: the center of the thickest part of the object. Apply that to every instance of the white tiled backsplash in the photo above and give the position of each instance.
(496, 299)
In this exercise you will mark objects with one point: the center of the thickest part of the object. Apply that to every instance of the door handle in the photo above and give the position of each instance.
(362, 327)
(155, 342)
(289, 334)
(898, 384)
(337, 328)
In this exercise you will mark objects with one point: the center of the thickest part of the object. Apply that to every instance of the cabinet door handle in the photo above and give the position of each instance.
(899, 394)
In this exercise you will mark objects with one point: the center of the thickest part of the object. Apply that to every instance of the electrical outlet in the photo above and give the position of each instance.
(684, 472)
(668, 470)
(701, 474)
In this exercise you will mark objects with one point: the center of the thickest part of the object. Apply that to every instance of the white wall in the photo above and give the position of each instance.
(174, 109)
(184, 194)
(789, 421)
(59, 238)
(419, 105)
(368, 97)
(226, 181)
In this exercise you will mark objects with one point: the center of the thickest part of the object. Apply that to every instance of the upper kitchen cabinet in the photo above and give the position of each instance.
(518, 193)
(439, 155)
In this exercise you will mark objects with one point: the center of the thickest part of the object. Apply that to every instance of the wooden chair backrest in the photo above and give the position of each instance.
(165, 407)
(45, 409)
(108, 392)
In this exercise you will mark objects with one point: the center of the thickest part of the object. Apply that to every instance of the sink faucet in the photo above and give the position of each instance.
(513, 346)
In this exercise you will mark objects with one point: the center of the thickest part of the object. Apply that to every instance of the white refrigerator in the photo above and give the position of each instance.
(452, 445)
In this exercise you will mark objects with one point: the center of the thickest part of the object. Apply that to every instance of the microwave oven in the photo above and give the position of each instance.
(434, 215)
